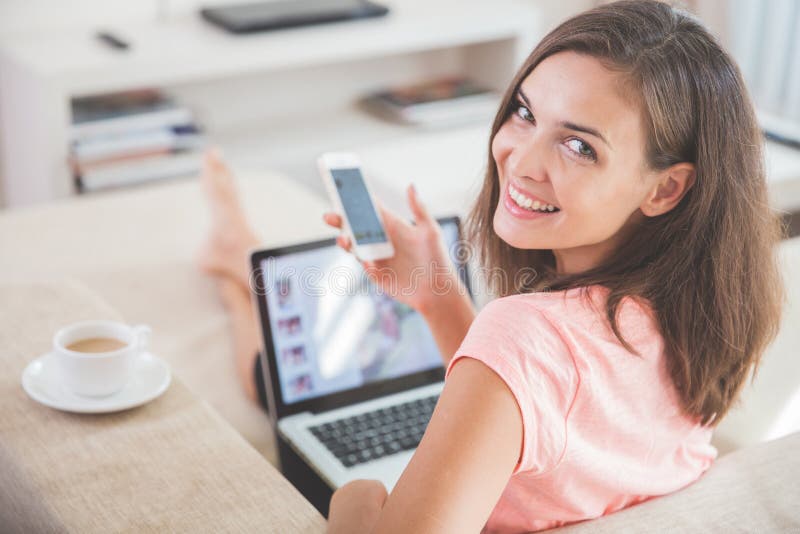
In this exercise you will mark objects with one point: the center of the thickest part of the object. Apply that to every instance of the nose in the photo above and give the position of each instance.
(528, 159)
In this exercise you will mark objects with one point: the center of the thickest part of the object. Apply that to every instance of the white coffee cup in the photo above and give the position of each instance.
(98, 374)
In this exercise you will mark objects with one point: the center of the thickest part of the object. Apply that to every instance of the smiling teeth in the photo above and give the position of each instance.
(524, 202)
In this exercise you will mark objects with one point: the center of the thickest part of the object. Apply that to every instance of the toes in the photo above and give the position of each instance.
(216, 176)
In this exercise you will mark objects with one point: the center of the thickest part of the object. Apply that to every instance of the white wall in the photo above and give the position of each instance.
(28, 15)
(31, 15)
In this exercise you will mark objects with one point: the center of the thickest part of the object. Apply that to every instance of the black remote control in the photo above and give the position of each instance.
(113, 41)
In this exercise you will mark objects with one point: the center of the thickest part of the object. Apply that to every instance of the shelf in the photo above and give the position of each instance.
(186, 49)
(271, 100)
(291, 147)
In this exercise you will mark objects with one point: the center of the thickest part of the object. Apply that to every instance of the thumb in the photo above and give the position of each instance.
(421, 215)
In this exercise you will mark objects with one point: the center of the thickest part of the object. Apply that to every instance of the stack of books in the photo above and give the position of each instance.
(443, 102)
(133, 137)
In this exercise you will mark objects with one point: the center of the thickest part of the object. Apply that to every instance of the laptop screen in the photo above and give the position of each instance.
(334, 330)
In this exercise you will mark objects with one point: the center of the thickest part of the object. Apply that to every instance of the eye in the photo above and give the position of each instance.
(582, 149)
(523, 113)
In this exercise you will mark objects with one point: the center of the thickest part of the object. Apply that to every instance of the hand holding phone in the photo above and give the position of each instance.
(351, 197)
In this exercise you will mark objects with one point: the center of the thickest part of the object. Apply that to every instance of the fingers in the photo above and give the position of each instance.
(335, 220)
(344, 242)
(419, 211)
(332, 219)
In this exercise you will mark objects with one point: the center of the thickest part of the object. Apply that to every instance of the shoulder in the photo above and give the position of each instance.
(585, 310)
(511, 328)
(516, 339)
(532, 316)
(521, 339)
(555, 306)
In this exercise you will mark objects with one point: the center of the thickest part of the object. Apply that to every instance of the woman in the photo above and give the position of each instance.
(626, 185)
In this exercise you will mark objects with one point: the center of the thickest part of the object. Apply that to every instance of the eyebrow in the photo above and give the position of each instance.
(567, 124)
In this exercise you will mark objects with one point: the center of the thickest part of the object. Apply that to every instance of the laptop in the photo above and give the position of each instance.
(277, 14)
(352, 375)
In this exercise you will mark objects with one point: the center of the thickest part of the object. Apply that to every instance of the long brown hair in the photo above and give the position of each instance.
(708, 268)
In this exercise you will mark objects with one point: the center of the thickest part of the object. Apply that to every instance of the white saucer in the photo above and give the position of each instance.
(151, 378)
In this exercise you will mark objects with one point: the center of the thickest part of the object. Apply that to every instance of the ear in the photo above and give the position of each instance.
(672, 183)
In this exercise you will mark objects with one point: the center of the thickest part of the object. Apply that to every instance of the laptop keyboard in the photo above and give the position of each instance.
(372, 435)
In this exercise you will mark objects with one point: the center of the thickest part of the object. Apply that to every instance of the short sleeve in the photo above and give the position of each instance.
(514, 339)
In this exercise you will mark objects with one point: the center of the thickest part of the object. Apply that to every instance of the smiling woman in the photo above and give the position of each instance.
(633, 121)
(546, 156)
(625, 179)
(626, 166)
(625, 183)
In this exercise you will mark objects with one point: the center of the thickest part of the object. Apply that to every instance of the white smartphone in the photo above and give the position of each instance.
(352, 198)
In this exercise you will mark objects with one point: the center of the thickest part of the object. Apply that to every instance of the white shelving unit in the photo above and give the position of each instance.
(276, 98)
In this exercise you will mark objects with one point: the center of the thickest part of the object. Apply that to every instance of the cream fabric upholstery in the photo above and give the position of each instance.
(137, 247)
(750, 490)
(172, 465)
(770, 407)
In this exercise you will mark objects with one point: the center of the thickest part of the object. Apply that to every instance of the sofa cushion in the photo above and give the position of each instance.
(769, 407)
(755, 489)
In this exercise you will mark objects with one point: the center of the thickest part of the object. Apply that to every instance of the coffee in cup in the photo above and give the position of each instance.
(96, 358)
(96, 344)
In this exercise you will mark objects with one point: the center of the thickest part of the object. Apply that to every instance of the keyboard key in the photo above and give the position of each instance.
(408, 443)
(368, 436)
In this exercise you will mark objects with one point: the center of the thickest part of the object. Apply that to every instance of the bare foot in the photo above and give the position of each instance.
(234, 297)
(231, 236)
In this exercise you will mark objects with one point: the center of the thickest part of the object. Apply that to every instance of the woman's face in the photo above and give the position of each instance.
(573, 146)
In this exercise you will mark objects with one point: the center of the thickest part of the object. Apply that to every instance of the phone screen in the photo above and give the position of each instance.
(364, 220)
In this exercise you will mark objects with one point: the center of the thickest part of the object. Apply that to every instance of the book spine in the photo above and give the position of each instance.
(109, 148)
(131, 123)
(472, 104)
(156, 168)
(105, 163)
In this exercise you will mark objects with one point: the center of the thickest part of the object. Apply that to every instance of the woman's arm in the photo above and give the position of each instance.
(420, 274)
(449, 320)
(459, 470)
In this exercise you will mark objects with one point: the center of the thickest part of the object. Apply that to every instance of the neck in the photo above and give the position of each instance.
(577, 260)
(585, 257)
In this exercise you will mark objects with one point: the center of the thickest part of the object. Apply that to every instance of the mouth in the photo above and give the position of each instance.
(524, 205)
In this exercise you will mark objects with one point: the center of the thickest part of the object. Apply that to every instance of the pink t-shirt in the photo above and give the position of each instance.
(602, 428)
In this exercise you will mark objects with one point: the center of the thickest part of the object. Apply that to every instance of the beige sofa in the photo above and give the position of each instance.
(137, 247)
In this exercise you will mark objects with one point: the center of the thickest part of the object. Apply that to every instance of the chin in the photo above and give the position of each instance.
(515, 236)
